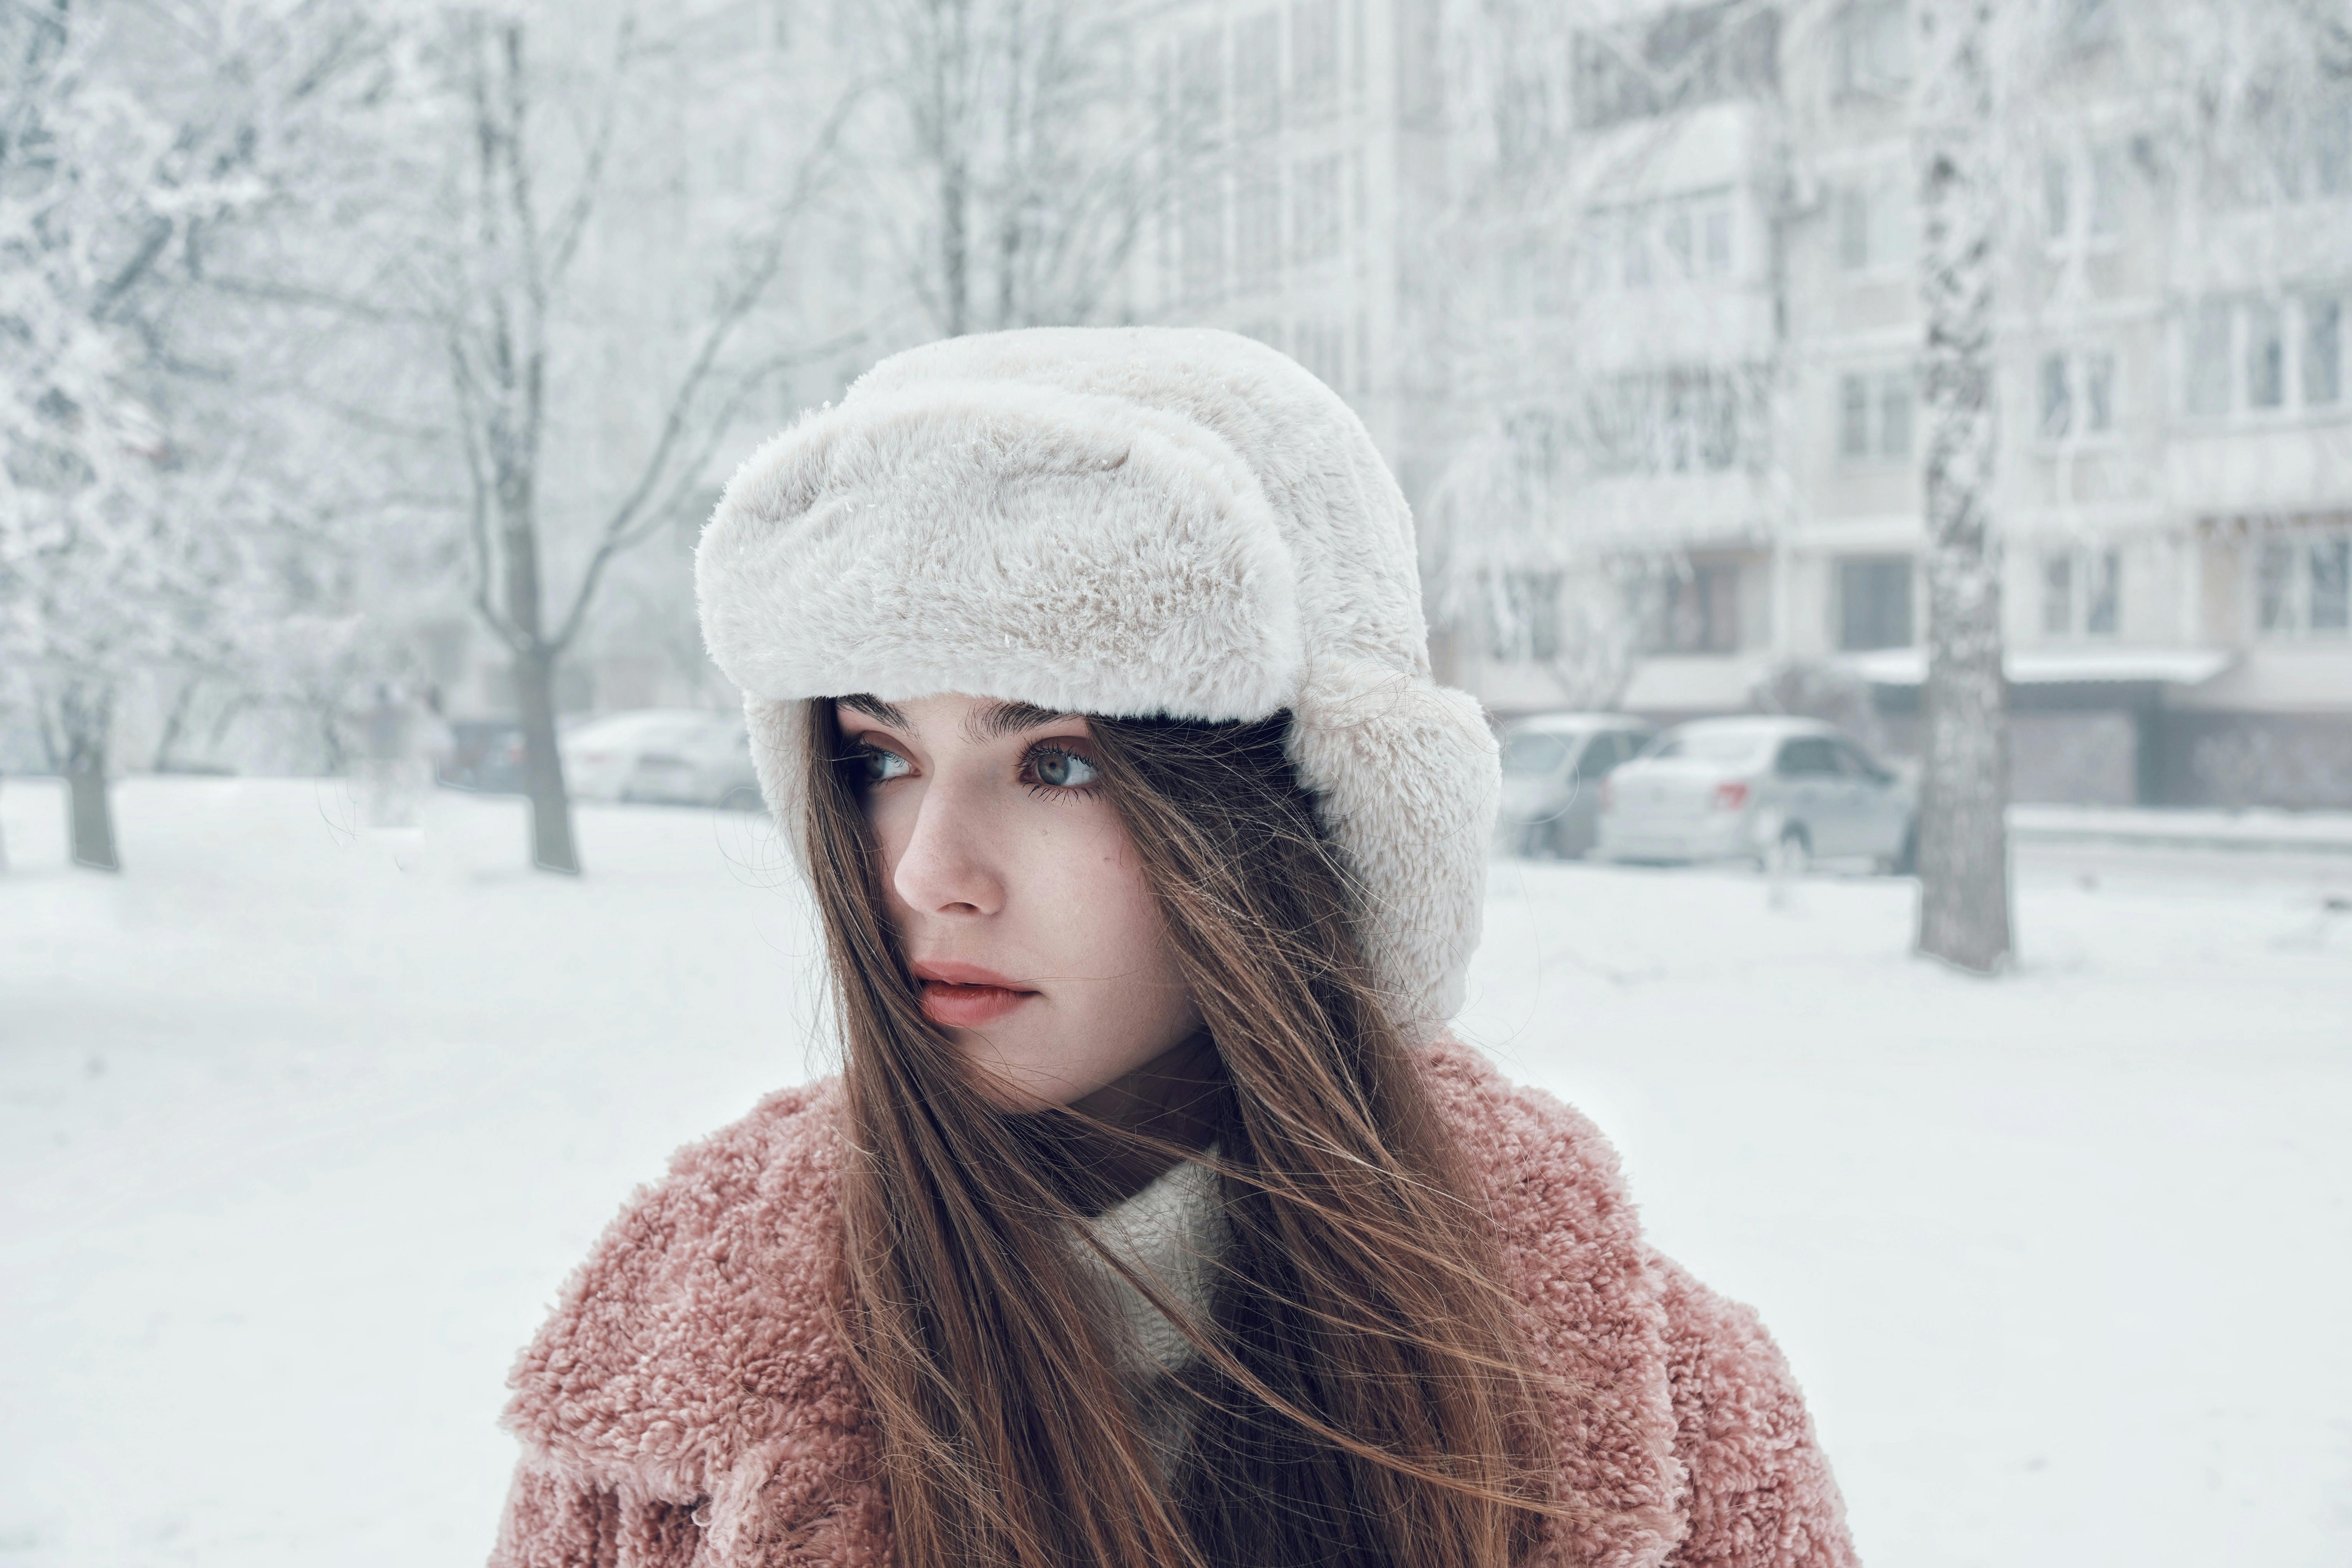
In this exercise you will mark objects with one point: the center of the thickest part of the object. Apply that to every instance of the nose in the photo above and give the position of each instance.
(944, 868)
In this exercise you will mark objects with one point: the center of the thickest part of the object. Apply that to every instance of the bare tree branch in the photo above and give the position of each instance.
(563, 241)
(734, 307)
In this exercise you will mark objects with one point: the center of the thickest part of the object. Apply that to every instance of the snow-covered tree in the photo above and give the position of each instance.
(1963, 845)
(1009, 162)
(118, 535)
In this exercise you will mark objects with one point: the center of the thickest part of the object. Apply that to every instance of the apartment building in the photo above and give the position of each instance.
(2173, 483)
(1285, 167)
(1707, 321)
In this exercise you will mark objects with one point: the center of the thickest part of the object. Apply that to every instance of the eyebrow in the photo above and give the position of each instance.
(875, 708)
(992, 721)
(999, 719)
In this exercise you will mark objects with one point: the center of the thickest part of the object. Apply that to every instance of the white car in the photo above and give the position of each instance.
(679, 756)
(1769, 790)
(1552, 767)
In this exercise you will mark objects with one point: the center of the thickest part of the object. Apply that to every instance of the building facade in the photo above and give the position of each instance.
(1658, 266)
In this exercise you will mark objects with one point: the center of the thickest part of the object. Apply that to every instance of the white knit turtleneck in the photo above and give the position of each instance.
(1171, 1233)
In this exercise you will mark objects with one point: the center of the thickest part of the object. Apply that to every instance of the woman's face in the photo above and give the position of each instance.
(1016, 895)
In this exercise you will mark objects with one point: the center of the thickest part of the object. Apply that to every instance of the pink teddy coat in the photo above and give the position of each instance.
(688, 1402)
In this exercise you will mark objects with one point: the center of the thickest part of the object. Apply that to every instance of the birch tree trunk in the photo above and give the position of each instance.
(1964, 914)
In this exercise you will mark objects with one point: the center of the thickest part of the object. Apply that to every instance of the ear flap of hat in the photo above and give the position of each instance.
(1406, 777)
(780, 760)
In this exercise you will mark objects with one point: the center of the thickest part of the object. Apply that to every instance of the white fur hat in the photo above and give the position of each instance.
(1126, 522)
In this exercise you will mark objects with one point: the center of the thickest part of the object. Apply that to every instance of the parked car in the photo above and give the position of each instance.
(485, 755)
(676, 756)
(1757, 789)
(1552, 767)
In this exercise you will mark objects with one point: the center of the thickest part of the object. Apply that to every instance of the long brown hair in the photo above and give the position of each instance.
(1359, 1396)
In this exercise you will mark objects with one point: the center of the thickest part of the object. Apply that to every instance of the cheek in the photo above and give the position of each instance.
(1119, 995)
(1100, 910)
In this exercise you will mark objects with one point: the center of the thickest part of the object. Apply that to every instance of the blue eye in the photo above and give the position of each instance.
(876, 766)
(1058, 769)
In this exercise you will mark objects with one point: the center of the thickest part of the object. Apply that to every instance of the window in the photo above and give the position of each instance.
(1525, 620)
(1203, 240)
(1874, 417)
(1874, 48)
(2254, 356)
(2096, 371)
(1874, 227)
(1683, 420)
(1673, 240)
(1808, 756)
(1859, 765)
(2082, 195)
(2057, 196)
(1699, 610)
(1321, 347)
(1314, 55)
(1607, 750)
(2323, 351)
(2057, 398)
(2080, 592)
(1534, 752)
(2303, 583)
(2076, 393)
(1874, 603)
(2332, 147)
(2208, 359)
(1257, 82)
(2265, 355)
(2327, 601)
(2106, 189)
(1315, 209)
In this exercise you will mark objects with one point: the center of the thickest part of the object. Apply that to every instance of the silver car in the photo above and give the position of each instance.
(673, 755)
(1771, 790)
(1552, 768)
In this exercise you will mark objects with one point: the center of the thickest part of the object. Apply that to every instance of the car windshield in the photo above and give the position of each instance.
(1730, 747)
(1537, 752)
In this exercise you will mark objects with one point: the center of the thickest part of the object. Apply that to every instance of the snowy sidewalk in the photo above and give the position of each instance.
(301, 1126)
(2295, 832)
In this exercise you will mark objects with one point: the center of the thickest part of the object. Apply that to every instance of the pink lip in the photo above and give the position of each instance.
(965, 995)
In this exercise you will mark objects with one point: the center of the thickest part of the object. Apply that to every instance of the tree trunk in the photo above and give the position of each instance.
(87, 720)
(552, 846)
(1963, 846)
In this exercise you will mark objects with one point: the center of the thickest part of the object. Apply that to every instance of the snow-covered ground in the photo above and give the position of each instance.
(300, 1125)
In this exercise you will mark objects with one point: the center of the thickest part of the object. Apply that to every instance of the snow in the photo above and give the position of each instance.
(301, 1125)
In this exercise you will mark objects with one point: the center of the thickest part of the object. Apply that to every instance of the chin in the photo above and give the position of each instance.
(1018, 1088)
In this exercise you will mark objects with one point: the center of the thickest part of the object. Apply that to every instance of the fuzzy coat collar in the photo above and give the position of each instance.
(692, 1359)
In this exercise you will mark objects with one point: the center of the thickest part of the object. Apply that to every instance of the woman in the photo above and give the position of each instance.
(1153, 1218)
